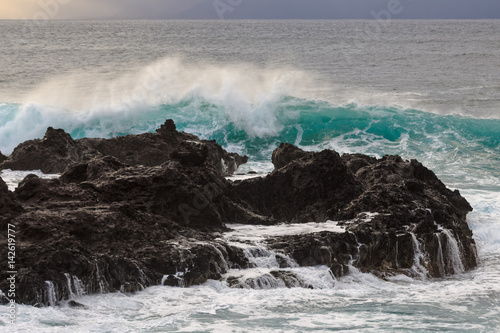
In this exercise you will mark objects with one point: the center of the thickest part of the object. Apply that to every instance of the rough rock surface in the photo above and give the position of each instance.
(57, 150)
(108, 224)
(315, 188)
(415, 226)
(105, 227)
(2, 157)
(286, 153)
(9, 207)
(52, 154)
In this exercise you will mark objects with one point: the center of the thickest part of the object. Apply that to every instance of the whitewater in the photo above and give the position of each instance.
(424, 90)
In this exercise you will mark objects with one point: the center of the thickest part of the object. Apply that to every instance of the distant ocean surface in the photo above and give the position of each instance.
(428, 90)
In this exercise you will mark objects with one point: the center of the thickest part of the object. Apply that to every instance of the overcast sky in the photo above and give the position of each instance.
(250, 9)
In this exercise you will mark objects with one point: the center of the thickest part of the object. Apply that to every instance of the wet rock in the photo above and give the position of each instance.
(100, 250)
(335, 250)
(110, 225)
(354, 162)
(92, 169)
(198, 153)
(9, 206)
(236, 258)
(74, 304)
(402, 219)
(2, 157)
(289, 279)
(168, 129)
(308, 189)
(287, 153)
(57, 151)
(52, 154)
(410, 199)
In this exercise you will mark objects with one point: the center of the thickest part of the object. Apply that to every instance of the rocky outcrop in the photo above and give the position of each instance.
(417, 217)
(402, 220)
(104, 227)
(108, 224)
(287, 153)
(2, 157)
(52, 154)
(9, 207)
(309, 189)
(184, 195)
(57, 150)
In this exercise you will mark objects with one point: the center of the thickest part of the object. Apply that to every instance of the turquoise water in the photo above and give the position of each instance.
(456, 147)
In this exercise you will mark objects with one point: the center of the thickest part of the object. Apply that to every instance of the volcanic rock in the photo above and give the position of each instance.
(287, 153)
(402, 220)
(57, 150)
(52, 154)
(308, 189)
(9, 207)
(113, 223)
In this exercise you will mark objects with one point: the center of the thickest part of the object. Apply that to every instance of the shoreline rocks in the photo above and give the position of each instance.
(113, 223)
(285, 154)
(9, 207)
(314, 187)
(57, 151)
(414, 226)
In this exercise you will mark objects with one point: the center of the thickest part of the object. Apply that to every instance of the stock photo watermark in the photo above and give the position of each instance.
(47, 10)
(223, 7)
(381, 19)
(11, 271)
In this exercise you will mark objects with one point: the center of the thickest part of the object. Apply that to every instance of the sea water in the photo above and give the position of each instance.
(421, 89)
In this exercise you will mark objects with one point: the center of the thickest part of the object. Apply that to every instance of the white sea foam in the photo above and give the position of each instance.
(245, 176)
(13, 178)
(260, 232)
(485, 221)
(357, 302)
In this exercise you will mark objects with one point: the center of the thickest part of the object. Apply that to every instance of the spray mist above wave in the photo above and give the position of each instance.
(108, 106)
(168, 81)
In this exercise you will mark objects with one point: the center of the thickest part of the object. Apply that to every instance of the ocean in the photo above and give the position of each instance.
(420, 89)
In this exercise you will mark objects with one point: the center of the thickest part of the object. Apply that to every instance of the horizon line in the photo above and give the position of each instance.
(252, 19)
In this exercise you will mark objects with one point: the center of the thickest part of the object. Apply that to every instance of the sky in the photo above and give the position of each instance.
(249, 9)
